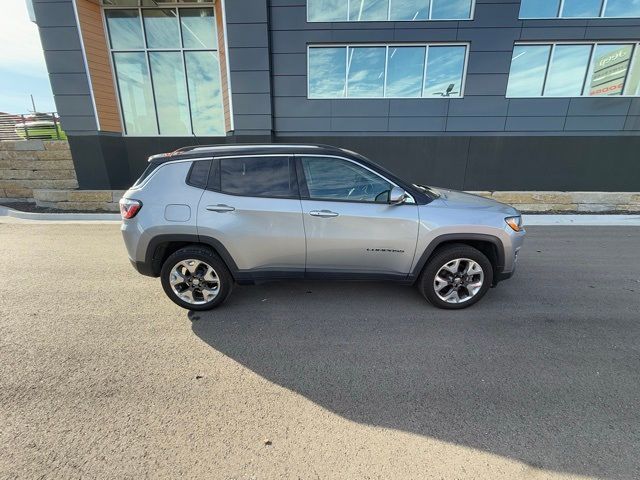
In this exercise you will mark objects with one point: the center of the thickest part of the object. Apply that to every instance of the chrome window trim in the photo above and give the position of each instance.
(463, 83)
(594, 44)
(472, 14)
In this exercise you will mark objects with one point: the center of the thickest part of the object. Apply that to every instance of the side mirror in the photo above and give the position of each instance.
(397, 196)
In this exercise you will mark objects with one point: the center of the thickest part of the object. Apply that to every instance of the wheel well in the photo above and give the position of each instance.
(489, 249)
(165, 249)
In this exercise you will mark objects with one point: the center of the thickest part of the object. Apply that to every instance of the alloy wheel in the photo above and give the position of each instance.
(459, 280)
(194, 281)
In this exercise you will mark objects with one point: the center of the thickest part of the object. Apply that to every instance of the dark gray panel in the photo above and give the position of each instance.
(538, 106)
(55, 14)
(360, 108)
(296, 41)
(417, 124)
(74, 123)
(425, 35)
(60, 38)
(359, 124)
(632, 123)
(554, 33)
(494, 15)
(599, 106)
(250, 82)
(301, 107)
(64, 61)
(432, 107)
(291, 18)
(251, 103)
(594, 123)
(612, 33)
(246, 11)
(77, 105)
(635, 107)
(479, 106)
(475, 124)
(252, 122)
(385, 35)
(69, 84)
(490, 39)
(247, 35)
(289, 63)
(290, 86)
(489, 62)
(535, 124)
(486, 84)
(248, 59)
(303, 124)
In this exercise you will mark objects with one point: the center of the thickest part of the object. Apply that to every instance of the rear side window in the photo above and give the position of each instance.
(199, 173)
(258, 177)
(147, 171)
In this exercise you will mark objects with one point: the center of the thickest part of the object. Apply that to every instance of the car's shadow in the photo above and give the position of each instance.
(537, 378)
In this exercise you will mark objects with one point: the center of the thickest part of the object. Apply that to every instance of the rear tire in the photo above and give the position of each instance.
(196, 278)
(456, 277)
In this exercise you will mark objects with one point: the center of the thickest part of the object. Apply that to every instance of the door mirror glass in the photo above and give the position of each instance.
(397, 196)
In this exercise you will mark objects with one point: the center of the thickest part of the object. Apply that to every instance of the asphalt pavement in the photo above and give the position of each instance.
(101, 376)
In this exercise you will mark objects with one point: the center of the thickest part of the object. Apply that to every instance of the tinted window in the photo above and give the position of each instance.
(199, 173)
(257, 177)
(336, 179)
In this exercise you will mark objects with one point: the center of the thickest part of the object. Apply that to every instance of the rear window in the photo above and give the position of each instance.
(199, 173)
(258, 177)
(147, 171)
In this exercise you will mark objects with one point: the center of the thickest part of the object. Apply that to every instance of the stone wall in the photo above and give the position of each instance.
(584, 202)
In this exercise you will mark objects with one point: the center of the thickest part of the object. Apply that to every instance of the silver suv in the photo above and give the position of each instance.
(205, 218)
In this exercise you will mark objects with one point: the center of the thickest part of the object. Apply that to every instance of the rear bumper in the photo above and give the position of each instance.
(143, 268)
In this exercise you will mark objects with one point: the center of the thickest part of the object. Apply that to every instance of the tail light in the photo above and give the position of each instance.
(129, 208)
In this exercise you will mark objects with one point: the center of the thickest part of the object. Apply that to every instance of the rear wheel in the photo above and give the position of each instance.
(196, 278)
(456, 277)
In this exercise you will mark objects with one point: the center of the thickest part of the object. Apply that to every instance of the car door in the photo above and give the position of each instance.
(252, 206)
(350, 226)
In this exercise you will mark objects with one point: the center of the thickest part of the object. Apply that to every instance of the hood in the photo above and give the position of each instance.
(456, 199)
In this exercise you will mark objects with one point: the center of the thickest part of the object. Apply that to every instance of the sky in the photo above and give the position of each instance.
(22, 67)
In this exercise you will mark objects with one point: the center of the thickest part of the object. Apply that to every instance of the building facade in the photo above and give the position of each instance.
(468, 94)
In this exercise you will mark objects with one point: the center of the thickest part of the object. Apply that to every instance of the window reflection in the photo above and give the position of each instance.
(170, 89)
(528, 68)
(368, 10)
(125, 30)
(581, 8)
(405, 68)
(444, 71)
(327, 10)
(567, 71)
(161, 28)
(539, 8)
(409, 10)
(634, 76)
(327, 72)
(622, 8)
(365, 72)
(451, 9)
(134, 87)
(203, 75)
(198, 28)
(609, 69)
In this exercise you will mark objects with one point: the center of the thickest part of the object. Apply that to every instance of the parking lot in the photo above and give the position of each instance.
(102, 376)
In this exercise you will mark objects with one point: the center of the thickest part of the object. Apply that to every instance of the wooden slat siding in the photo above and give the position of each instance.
(224, 81)
(97, 52)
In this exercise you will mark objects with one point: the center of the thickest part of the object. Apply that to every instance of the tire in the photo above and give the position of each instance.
(460, 290)
(201, 272)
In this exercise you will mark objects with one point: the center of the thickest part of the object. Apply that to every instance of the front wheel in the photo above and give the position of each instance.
(195, 278)
(456, 277)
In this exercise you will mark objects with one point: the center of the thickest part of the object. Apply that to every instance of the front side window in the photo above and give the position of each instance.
(574, 70)
(258, 177)
(579, 8)
(388, 10)
(167, 70)
(392, 71)
(337, 179)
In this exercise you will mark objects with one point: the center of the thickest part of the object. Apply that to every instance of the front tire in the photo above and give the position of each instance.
(196, 278)
(456, 277)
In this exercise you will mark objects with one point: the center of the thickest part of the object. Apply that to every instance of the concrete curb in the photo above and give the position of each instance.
(73, 217)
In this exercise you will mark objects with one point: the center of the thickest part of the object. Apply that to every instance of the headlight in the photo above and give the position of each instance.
(514, 222)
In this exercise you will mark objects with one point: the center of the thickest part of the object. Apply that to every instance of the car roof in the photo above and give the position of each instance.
(246, 149)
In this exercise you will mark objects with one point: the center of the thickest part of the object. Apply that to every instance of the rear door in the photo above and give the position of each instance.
(350, 226)
(252, 206)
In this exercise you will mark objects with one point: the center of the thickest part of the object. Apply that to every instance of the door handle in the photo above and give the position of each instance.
(323, 213)
(220, 208)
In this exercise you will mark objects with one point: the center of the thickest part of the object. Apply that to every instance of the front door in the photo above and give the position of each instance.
(349, 225)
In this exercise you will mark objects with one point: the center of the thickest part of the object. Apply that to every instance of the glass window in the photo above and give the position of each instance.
(203, 78)
(451, 9)
(528, 69)
(170, 90)
(257, 177)
(567, 70)
(125, 30)
(581, 8)
(622, 8)
(327, 10)
(539, 8)
(327, 72)
(405, 70)
(608, 71)
(161, 27)
(365, 72)
(633, 82)
(335, 179)
(445, 66)
(368, 10)
(199, 173)
(410, 10)
(198, 28)
(134, 87)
